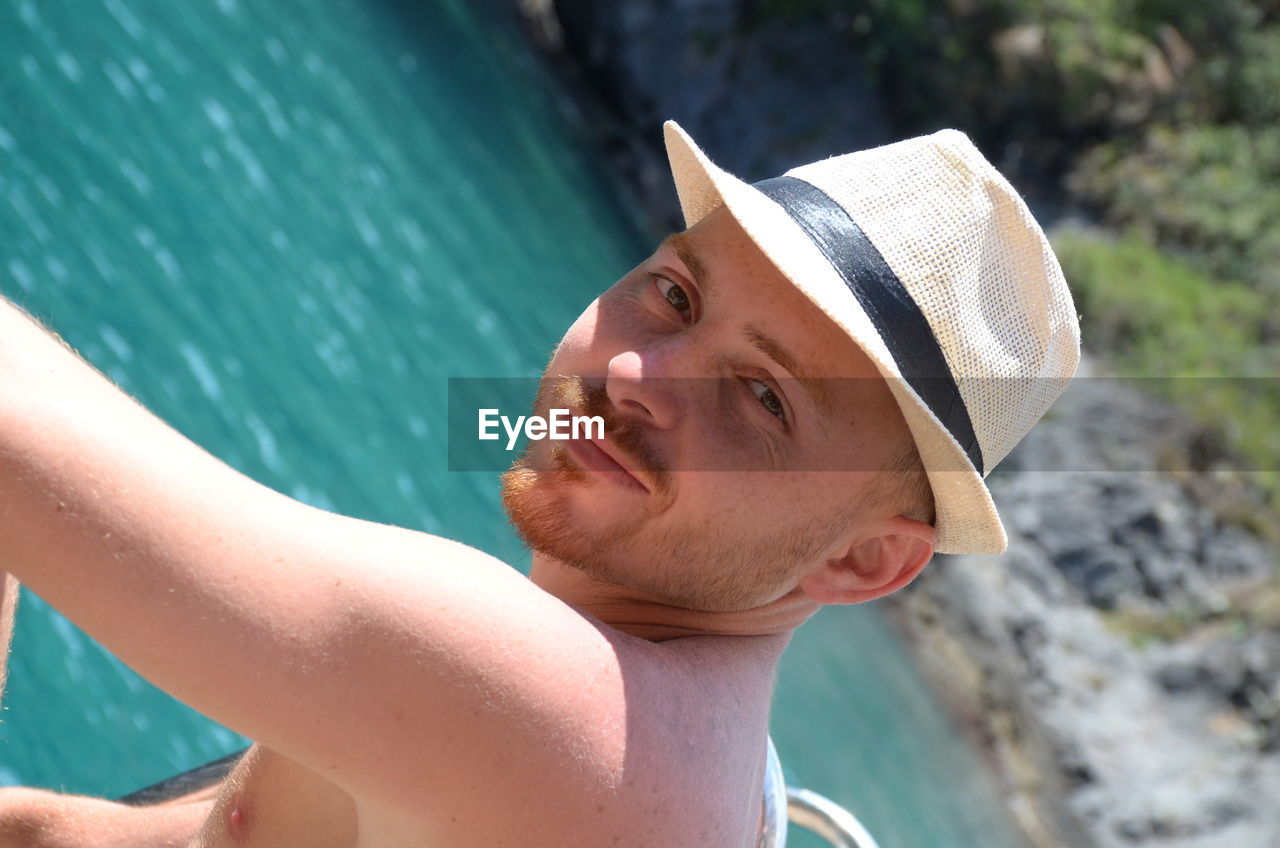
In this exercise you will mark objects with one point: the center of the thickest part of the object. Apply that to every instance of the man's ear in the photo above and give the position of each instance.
(879, 561)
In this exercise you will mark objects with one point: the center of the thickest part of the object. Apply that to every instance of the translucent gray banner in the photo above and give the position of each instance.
(756, 423)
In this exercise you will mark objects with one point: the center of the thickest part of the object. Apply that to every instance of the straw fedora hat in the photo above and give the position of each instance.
(930, 260)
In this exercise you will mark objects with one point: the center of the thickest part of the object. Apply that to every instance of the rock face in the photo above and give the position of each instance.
(1120, 660)
(1121, 663)
(758, 97)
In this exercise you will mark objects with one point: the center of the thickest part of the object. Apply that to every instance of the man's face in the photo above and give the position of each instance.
(702, 361)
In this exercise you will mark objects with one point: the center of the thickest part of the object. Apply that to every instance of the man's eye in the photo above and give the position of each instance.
(768, 399)
(675, 295)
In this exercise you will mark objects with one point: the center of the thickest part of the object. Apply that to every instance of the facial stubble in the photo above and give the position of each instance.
(682, 560)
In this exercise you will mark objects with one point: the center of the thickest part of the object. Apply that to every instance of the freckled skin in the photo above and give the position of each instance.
(650, 714)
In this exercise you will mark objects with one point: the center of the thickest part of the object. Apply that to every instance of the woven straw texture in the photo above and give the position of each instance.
(978, 266)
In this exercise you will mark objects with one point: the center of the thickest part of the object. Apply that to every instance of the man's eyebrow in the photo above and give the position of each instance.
(815, 388)
(683, 247)
(771, 349)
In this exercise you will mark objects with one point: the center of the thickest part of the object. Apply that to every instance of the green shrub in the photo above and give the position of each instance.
(1210, 192)
(1152, 315)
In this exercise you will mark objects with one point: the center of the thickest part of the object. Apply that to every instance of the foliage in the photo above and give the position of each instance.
(1045, 79)
(1155, 315)
(1211, 191)
(1204, 340)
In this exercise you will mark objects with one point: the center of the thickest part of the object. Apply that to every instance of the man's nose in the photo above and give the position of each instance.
(639, 386)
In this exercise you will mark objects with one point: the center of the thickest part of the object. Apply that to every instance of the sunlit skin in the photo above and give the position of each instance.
(404, 689)
(718, 551)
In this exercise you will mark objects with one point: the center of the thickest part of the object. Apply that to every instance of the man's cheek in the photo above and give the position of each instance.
(592, 340)
(578, 338)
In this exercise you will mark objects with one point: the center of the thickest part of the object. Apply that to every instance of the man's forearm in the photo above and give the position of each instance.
(12, 315)
(8, 603)
(38, 818)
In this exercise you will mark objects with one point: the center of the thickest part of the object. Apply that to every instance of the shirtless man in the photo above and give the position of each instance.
(406, 690)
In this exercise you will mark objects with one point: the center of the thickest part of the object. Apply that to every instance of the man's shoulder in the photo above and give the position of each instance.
(688, 723)
(509, 706)
(672, 776)
(629, 743)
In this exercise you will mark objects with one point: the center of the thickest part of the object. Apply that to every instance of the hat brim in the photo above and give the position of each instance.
(966, 517)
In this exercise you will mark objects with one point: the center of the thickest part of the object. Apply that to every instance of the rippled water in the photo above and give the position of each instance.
(283, 226)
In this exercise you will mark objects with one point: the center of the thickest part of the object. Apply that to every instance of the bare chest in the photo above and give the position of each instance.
(269, 800)
(692, 772)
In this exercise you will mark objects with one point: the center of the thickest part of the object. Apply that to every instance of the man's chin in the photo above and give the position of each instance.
(539, 508)
(555, 514)
(561, 515)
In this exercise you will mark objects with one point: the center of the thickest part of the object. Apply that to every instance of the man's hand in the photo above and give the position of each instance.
(8, 605)
(404, 667)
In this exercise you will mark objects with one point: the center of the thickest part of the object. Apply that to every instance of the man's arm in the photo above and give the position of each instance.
(8, 605)
(38, 818)
(403, 666)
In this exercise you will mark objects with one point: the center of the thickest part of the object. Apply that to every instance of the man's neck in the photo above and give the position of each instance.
(645, 616)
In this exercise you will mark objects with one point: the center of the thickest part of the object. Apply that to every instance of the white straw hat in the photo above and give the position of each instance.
(929, 259)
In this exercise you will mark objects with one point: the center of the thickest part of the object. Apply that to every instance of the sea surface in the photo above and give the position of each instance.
(283, 226)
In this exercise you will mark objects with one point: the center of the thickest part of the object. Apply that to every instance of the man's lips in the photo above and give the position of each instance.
(599, 455)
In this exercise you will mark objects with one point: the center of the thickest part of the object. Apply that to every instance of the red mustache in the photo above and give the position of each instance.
(626, 433)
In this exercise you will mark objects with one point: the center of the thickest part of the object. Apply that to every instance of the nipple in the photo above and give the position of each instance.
(237, 818)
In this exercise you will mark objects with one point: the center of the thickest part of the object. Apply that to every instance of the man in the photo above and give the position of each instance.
(802, 394)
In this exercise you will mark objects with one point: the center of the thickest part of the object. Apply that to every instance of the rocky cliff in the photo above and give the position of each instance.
(1121, 663)
(1122, 660)
(758, 98)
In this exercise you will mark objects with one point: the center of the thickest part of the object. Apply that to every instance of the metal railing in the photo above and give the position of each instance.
(806, 809)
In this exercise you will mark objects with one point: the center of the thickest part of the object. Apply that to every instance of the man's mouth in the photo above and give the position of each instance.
(600, 456)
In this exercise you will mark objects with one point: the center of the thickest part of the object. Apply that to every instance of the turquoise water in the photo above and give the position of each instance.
(283, 226)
